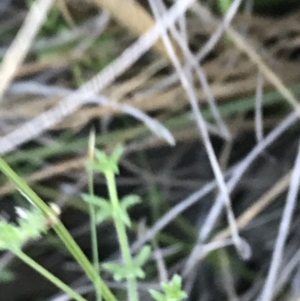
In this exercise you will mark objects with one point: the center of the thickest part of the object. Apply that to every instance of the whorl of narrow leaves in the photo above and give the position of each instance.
(105, 163)
(121, 272)
(172, 291)
(106, 209)
(30, 225)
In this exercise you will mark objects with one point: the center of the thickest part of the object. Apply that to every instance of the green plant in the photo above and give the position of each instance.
(49, 214)
(172, 290)
(33, 223)
(116, 210)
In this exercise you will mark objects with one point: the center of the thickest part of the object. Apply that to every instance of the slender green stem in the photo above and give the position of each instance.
(60, 229)
(61, 285)
(93, 226)
(122, 236)
(77, 253)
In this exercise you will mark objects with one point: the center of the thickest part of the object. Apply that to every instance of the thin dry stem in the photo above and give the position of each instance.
(22, 42)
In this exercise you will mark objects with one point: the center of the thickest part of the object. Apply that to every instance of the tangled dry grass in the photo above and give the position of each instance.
(224, 90)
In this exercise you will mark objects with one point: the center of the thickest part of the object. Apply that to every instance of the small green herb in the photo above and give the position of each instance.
(172, 291)
(116, 210)
(30, 226)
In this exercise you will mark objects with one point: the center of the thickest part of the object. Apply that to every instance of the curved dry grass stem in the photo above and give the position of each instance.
(268, 291)
(134, 17)
(240, 170)
(186, 83)
(173, 213)
(22, 42)
(151, 123)
(259, 108)
(258, 206)
(192, 63)
(242, 44)
(67, 106)
(235, 174)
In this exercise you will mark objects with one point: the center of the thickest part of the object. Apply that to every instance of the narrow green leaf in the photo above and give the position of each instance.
(117, 153)
(129, 200)
(119, 272)
(157, 295)
(123, 215)
(96, 200)
(101, 216)
(142, 256)
(139, 273)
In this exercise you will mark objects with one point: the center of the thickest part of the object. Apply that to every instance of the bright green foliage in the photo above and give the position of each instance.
(125, 203)
(121, 272)
(105, 163)
(172, 291)
(32, 223)
(116, 209)
(30, 226)
(106, 210)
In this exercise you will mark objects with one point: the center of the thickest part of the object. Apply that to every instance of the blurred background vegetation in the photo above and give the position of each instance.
(254, 86)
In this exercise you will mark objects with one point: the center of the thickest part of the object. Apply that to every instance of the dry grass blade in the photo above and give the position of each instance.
(259, 108)
(236, 172)
(240, 170)
(202, 86)
(134, 17)
(173, 213)
(259, 205)
(268, 291)
(22, 42)
(184, 78)
(49, 118)
(193, 63)
(46, 173)
(245, 46)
